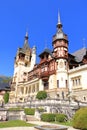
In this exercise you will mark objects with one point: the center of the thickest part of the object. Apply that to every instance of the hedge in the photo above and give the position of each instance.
(49, 117)
(15, 109)
(61, 117)
(40, 109)
(29, 111)
(80, 119)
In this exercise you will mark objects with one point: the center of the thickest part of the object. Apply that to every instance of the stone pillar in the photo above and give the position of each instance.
(41, 85)
(24, 92)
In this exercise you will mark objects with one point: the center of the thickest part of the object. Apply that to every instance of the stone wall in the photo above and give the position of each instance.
(51, 105)
(16, 115)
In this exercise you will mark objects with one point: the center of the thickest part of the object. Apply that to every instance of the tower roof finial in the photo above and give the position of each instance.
(59, 24)
(59, 21)
(26, 35)
(26, 45)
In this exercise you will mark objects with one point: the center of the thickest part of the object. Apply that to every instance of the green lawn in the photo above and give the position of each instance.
(14, 123)
(67, 123)
(19, 123)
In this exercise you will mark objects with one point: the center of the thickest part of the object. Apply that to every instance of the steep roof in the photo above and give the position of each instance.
(46, 51)
(25, 46)
(4, 86)
(79, 54)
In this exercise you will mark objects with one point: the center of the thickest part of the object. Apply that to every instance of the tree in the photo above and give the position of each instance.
(6, 97)
(41, 95)
(80, 119)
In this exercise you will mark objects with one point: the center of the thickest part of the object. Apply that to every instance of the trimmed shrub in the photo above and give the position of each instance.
(41, 95)
(40, 109)
(6, 97)
(80, 119)
(15, 109)
(61, 117)
(49, 117)
(29, 111)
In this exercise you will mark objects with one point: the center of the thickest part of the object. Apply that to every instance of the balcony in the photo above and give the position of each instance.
(44, 75)
(43, 60)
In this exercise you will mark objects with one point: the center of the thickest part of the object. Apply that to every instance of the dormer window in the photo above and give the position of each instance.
(42, 57)
(26, 64)
(26, 58)
(46, 56)
(25, 73)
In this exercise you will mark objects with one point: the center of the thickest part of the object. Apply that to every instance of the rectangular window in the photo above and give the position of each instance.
(66, 82)
(46, 85)
(79, 81)
(57, 83)
(76, 81)
(73, 82)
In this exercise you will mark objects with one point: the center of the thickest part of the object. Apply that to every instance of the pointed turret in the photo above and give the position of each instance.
(60, 35)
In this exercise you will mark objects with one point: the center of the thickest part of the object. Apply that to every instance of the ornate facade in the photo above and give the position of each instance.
(59, 73)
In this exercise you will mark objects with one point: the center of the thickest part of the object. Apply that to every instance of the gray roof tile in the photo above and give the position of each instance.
(79, 54)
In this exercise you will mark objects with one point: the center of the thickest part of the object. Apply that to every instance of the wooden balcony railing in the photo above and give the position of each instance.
(44, 75)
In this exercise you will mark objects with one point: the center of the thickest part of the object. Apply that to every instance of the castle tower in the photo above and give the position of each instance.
(24, 61)
(33, 57)
(60, 53)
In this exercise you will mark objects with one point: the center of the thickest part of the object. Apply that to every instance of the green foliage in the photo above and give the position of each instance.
(29, 111)
(61, 117)
(41, 95)
(40, 109)
(80, 119)
(67, 123)
(6, 97)
(15, 109)
(4, 79)
(14, 123)
(49, 117)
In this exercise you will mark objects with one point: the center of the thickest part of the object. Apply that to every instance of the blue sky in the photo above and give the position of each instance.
(39, 17)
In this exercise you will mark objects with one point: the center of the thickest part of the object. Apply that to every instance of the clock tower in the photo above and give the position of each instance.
(24, 61)
(60, 53)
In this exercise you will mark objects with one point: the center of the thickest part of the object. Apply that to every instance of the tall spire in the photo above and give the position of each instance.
(59, 21)
(26, 36)
(59, 24)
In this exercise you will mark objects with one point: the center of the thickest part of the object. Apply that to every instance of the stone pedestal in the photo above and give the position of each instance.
(16, 115)
(3, 114)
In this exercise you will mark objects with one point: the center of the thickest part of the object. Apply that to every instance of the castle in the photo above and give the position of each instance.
(59, 73)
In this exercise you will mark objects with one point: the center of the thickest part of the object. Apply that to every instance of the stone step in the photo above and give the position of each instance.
(31, 118)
